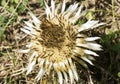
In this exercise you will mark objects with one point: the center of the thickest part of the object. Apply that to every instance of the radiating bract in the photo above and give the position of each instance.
(57, 42)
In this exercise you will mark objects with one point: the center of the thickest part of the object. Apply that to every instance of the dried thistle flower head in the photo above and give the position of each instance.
(56, 40)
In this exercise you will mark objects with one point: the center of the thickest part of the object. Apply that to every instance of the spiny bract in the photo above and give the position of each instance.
(57, 42)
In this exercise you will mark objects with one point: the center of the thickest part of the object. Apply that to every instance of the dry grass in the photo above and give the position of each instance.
(106, 69)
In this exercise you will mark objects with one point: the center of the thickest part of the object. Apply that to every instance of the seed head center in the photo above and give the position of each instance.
(53, 35)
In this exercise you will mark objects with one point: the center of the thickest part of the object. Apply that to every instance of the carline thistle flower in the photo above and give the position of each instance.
(57, 42)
